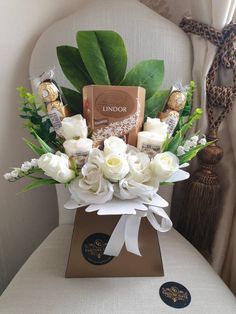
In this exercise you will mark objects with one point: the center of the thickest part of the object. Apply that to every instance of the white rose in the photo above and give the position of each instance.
(156, 126)
(76, 147)
(91, 187)
(115, 167)
(84, 193)
(130, 189)
(56, 167)
(139, 166)
(164, 165)
(74, 126)
(115, 145)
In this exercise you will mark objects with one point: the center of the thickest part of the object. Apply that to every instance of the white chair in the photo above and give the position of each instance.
(40, 286)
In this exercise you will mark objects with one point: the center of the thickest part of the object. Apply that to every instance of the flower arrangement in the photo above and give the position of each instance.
(103, 177)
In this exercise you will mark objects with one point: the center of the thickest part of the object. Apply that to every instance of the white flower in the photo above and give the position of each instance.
(187, 146)
(180, 151)
(26, 166)
(56, 167)
(34, 162)
(15, 173)
(139, 166)
(202, 141)
(115, 167)
(96, 157)
(74, 127)
(76, 147)
(130, 189)
(194, 139)
(7, 176)
(115, 145)
(155, 125)
(89, 190)
(164, 165)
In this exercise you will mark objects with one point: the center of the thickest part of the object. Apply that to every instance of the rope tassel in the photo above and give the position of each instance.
(201, 208)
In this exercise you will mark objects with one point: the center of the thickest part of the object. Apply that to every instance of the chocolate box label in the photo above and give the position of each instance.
(114, 110)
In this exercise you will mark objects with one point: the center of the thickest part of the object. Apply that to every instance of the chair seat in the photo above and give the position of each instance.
(40, 286)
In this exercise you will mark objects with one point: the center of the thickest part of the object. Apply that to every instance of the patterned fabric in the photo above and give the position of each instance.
(218, 97)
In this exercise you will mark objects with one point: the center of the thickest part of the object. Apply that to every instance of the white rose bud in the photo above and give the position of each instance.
(56, 167)
(115, 145)
(164, 165)
(202, 141)
(115, 167)
(155, 125)
(7, 176)
(77, 147)
(75, 126)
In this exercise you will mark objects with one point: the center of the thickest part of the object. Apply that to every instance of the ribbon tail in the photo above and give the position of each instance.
(131, 233)
(117, 239)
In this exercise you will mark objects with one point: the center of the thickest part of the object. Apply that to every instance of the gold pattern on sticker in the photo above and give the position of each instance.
(175, 294)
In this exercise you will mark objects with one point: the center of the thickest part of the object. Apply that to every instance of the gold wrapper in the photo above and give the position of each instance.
(58, 105)
(48, 91)
(176, 101)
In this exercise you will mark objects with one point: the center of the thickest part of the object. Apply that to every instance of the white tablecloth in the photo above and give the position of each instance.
(40, 287)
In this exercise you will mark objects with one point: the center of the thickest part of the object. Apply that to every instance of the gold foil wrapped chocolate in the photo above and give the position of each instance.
(51, 95)
(176, 100)
(48, 91)
(175, 103)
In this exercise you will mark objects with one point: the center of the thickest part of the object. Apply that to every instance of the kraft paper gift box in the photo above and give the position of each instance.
(90, 236)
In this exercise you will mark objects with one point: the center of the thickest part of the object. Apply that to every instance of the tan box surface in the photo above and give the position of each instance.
(88, 243)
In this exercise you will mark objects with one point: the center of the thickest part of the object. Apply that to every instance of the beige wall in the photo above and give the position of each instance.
(25, 219)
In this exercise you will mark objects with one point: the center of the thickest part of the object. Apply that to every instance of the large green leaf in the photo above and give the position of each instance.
(74, 100)
(148, 74)
(156, 103)
(73, 67)
(104, 55)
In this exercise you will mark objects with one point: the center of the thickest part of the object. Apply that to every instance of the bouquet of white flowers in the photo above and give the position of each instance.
(106, 175)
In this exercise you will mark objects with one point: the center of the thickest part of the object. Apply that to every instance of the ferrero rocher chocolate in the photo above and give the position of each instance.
(58, 105)
(48, 91)
(175, 103)
(114, 110)
(51, 95)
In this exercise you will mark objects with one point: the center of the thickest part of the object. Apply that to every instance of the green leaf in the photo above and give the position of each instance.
(73, 67)
(177, 139)
(37, 150)
(74, 100)
(148, 74)
(104, 55)
(155, 104)
(192, 153)
(189, 100)
(37, 183)
(44, 145)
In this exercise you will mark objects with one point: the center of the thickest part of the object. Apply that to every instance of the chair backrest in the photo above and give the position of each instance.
(146, 34)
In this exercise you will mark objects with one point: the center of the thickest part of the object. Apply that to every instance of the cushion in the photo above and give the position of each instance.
(40, 286)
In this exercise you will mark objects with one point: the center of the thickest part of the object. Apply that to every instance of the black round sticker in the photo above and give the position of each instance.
(175, 295)
(93, 248)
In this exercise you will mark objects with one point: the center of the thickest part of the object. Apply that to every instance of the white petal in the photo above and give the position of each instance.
(186, 164)
(71, 204)
(179, 175)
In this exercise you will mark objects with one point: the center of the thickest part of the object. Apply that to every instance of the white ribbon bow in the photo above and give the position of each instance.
(127, 230)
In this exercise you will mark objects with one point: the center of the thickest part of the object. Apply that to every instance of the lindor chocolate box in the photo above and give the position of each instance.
(114, 110)
(90, 236)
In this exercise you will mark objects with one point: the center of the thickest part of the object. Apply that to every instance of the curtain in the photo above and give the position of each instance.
(216, 13)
